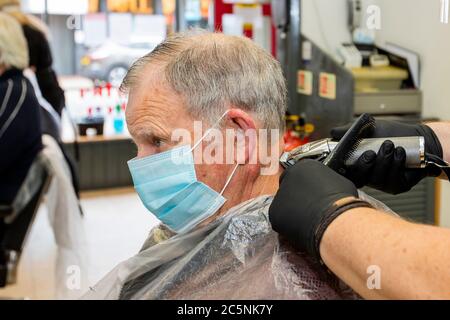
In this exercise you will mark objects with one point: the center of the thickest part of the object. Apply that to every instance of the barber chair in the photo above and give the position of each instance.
(50, 124)
(16, 219)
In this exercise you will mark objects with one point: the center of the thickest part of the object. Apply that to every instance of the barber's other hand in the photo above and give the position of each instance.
(386, 170)
(310, 197)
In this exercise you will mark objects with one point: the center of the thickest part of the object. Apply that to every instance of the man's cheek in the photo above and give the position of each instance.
(270, 163)
(145, 151)
(211, 175)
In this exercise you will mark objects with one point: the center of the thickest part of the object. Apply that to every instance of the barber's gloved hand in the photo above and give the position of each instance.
(386, 171)
(310, 197)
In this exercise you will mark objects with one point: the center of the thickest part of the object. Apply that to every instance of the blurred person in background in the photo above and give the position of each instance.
(20, 128)
(45, 82)
(41, 60)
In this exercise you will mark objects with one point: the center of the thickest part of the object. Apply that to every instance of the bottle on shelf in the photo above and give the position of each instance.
(119, 121)
(109, 121)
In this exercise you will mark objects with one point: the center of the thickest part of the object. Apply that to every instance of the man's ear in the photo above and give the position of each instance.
(246, 135)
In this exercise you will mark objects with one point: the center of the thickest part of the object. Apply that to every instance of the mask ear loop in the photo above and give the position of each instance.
(203, 138)
(229, 179)
(208, 131)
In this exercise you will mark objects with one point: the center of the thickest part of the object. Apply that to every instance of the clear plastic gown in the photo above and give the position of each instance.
(236, 257)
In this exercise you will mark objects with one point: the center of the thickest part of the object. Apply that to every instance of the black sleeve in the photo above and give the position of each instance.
(41, 59)
(20, 139)
(38, 48)
(51, 91)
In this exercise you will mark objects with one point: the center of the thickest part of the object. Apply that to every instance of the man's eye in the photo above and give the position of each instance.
(157, 142)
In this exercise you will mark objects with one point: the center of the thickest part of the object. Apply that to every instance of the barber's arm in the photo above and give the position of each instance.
(319, 212)
(386, 169)
(442, 131)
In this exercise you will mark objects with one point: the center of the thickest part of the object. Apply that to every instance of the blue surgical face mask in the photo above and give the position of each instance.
(167, 185)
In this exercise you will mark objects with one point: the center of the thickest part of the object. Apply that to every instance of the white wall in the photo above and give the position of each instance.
(414, 24)
(325, 22)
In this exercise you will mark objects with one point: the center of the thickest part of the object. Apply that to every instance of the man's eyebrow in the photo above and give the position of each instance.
(147, 134)
(142, 133)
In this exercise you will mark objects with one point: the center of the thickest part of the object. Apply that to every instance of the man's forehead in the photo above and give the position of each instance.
(156, 103)
(155, 106)
(150, 77)
(151, 92)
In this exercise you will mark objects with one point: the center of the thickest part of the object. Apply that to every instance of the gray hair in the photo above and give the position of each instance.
(213, 70)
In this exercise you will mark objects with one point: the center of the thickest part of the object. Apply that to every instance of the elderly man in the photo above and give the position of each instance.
(215, 240)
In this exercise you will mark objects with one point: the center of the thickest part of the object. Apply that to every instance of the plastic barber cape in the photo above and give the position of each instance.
(238, 256)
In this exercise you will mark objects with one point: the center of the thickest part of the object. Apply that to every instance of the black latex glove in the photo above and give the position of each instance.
(386, 171)
(310, 197)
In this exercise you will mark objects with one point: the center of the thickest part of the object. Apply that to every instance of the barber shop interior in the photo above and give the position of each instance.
(221, 150)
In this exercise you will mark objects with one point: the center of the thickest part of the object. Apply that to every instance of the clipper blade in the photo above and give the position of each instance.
(349, 142)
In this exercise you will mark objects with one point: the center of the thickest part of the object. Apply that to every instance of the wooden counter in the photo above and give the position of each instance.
(102, 160)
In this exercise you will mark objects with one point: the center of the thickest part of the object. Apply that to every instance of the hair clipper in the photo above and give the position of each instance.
(343, 154)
